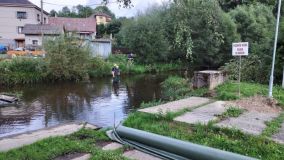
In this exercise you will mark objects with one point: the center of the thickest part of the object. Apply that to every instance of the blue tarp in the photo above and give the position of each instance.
(2, 48)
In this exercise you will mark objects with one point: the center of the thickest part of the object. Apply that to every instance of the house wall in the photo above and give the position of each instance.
(101, 20)
(29, 39)
(9, 23)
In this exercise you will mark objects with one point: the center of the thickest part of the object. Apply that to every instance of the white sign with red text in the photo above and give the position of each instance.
(240, 49)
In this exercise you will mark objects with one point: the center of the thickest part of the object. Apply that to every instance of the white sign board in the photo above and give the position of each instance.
(240, 49)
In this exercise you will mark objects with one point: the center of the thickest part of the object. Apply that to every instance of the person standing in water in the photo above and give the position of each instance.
(115, 73)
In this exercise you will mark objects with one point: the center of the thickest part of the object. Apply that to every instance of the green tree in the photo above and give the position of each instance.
(113, 27)
(145, 37)
(203, 32)
(67, 58)
(101, 30)
(53, 13)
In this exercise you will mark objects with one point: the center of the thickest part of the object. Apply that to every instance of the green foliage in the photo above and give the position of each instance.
(207, 46)
(78, 11)
(113, 27)
(145, 37)
(232, 112)
(22, 71)
(174, 87)
(101, 30)
(252, 69)
(229, 91)
(255, 24)
(273, 126)
(225, 139)
(99, 67)
(67, 58)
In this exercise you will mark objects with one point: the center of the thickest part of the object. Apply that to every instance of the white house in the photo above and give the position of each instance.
(14, 15)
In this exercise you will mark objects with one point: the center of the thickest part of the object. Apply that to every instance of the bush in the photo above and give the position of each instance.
(174, 87)
(22, 71)
(99, 67)
(67, 58)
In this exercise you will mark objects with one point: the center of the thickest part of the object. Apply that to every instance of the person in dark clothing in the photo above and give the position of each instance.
(115, 73)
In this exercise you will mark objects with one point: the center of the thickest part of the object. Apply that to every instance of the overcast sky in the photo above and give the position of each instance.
(139, 5)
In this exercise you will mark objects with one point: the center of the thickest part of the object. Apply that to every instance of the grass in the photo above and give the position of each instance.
(273, 126)
(225, 139)
(80, 142)
(229, 91)
(232, 112)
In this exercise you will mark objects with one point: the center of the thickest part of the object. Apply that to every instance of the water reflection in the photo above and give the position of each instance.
(99, 102)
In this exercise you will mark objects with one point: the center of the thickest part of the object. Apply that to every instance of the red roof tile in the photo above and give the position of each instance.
(75, 24)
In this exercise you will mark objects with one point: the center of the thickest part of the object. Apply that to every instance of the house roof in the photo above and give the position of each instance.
(47, 29)
(20, 3)
(74, 24)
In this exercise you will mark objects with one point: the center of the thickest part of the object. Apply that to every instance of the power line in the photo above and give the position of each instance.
(94, 4)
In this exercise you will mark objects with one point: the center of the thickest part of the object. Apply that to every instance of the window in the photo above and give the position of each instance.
(44, 20)
(22, 15)
(38, 17)
(35, 42)
(20, 29)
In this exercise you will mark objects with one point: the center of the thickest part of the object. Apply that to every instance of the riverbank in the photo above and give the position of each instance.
(20, 71)
(259, 140)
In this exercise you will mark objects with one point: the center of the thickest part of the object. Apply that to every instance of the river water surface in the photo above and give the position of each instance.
(99, 102)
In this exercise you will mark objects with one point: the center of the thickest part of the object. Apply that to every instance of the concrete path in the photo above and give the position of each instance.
(84, 157)
(112, 146)
(176, 106)
(138, 155)
(203, 114)
(279, 137)
(11, 142)
(251, 122)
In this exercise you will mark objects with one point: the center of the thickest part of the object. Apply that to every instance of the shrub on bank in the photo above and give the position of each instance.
(174, 87)
(22, 71)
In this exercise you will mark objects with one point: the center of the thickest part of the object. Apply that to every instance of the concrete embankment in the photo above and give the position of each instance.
(16, 141)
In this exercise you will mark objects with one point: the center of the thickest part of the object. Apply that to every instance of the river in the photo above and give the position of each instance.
(99, 102)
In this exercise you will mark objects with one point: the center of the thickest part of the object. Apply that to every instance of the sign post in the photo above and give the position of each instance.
(240, 49)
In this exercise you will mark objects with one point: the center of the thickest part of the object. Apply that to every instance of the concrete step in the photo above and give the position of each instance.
(138, 155)
(112, 146)
(279, 137)
(16, 141)
(176, 106)
(203, 114)
(251, 122)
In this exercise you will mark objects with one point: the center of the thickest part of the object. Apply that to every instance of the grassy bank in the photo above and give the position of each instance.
(29, 71)
(229, 91)
(225, 139)
(83, 141)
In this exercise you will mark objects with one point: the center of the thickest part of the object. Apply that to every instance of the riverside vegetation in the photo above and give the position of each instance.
(69, 59)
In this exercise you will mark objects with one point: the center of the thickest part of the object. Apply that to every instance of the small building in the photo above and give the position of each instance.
(34, 34)
(101, 18)
(101, 47)
(14, 14)
(85, 28)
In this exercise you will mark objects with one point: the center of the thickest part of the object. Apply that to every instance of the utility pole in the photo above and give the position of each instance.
(274, 51)
(41, 14)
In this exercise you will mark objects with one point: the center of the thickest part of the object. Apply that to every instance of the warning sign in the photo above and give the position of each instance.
(240, 49)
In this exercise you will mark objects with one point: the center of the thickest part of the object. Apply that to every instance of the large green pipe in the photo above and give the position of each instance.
(181, 148)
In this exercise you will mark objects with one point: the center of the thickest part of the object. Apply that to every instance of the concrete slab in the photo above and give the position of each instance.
(20, 140)
(203, 114)
(112, 146)
(279, 137)
(84, 157)
(176, 106)
(138, 155)
(90, 126)
(251, 122)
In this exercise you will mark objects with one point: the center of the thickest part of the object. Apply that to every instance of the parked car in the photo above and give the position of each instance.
(19, 49)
